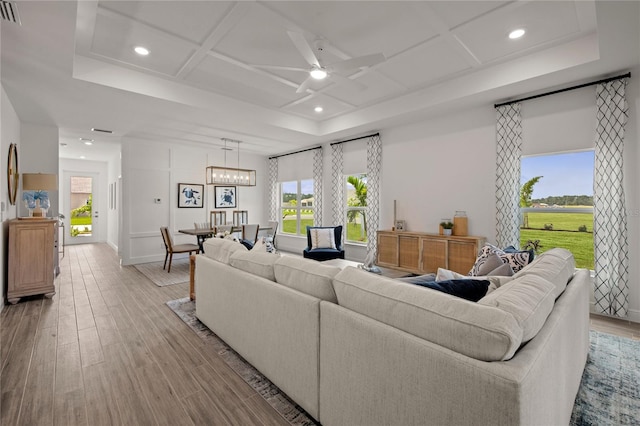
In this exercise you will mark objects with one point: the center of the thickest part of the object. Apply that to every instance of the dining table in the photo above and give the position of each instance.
(202, 234)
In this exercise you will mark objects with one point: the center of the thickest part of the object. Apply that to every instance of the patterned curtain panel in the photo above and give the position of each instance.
(317, 186)
(508, 151)
(609, 216)
(273, 189)
(338, 206)
(374, 168)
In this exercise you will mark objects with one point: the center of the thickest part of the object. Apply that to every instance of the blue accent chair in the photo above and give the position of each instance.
(321, 254)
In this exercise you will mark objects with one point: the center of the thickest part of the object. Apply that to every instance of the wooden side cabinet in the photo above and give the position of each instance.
(32, 258)
(422, 253)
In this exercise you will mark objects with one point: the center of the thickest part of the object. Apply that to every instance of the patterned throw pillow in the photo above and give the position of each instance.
(322, 238)
(517, 260)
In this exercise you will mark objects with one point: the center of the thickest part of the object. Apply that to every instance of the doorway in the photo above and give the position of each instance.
(81, 200)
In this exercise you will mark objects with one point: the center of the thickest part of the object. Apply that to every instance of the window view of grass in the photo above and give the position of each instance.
(544, 223)
(573, 231)
(356, 203)
(297, 205)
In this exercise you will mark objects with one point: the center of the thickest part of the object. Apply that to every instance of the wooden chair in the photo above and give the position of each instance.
(202, 225)
(170, 248)
(240, 217)
(218, 217)
(249, 235)
(271, 235)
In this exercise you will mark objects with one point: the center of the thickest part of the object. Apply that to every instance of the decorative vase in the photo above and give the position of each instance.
(446, 231)
(460, 223)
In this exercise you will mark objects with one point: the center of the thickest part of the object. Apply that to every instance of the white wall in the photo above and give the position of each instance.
(9, 133)
(153, 170)
(38, 153)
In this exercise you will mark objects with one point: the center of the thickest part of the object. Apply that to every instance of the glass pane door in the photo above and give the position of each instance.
(80, 199)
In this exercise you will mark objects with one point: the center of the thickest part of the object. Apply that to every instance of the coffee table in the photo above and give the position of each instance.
(386, 272)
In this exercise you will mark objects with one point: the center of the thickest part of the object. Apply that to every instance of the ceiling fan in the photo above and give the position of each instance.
(320, 71)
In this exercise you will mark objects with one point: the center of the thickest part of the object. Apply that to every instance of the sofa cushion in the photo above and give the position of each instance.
(221, 249)
(307, 276)
(529, 299)
(479, 331)
(556, 266)
(255, 263)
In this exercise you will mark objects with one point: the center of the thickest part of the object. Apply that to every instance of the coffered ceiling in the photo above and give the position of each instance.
(73, 65)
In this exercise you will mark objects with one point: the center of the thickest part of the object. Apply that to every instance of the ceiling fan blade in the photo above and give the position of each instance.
(347, 81)
(303, 87)
(304, 48)
(278, 67)
(357, 62)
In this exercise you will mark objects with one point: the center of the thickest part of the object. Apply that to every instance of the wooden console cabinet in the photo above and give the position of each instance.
(33, 257)
(422, 253)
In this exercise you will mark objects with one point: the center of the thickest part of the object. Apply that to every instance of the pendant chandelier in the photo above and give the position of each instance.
(223, 175)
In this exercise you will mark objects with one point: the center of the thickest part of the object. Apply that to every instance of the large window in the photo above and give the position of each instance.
(296, 206)
(356, 186)
(556, 200)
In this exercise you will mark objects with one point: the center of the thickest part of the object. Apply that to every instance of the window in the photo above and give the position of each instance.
(296, 206)
(356, 186)
(556, 201)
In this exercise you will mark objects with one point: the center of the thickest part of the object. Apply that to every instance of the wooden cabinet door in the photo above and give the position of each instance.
(387, 249)
(462, 255)
(409, 252)
(434, 254)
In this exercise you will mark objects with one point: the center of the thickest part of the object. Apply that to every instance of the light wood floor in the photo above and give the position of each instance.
(107, 350)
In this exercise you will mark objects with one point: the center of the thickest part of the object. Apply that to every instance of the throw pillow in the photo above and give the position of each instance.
(260, 246)
(487, 264)
(322, 238)
(503, 270)
(512, 249)
(468, 289)
(517, 260)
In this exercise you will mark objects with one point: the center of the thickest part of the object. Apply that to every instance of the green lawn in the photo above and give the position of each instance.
(579, 243)
(82, 220)
(353, 229)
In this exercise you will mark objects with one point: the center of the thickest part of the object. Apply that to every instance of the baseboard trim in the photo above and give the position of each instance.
(633, 314)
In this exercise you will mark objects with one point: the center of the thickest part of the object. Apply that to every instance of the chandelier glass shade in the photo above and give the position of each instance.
(226, 175)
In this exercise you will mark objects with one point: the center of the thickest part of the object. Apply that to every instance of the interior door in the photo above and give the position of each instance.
(81, 200)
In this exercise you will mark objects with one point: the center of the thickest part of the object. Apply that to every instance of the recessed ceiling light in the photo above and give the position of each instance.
(516, 33)
(318, 109)
(88, 143)
(143, 51)
(82, 157)
(94, 129)
(318, 73)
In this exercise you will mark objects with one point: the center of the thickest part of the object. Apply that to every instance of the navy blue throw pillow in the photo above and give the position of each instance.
(472, 290)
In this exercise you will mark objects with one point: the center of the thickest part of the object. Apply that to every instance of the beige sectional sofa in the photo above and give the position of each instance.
(355, 348)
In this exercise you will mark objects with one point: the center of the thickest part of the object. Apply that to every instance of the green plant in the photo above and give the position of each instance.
(75, 232)
(83, 209)
(548, 226)
(582, 228)
(446, 225)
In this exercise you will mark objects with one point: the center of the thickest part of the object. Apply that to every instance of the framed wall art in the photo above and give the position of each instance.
(190, 195)
(225, 197)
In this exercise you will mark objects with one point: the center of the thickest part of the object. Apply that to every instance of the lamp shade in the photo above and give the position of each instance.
(39, 182)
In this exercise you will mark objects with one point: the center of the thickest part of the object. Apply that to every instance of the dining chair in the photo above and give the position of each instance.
(223, 229)
(271, 234)
(217, 217)
(250, 235)
(240, 217)
(171, 249)
(202, 225)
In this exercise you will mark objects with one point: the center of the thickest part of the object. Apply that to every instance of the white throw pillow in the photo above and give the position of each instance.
(322, 238)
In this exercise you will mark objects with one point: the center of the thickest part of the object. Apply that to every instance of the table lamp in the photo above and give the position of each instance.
(34, 192)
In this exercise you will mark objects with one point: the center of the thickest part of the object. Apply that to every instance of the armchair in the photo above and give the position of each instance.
(319, 243)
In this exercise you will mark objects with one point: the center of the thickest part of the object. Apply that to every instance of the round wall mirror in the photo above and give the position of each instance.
(12, 173)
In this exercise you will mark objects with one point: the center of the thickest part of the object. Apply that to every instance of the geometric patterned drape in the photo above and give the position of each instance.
(508, 152)
(374, 168)
(337, 186)
(317, 186)
(273, 189)
(609, 215)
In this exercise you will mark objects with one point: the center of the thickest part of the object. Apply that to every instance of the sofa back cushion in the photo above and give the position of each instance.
(556, 266)
(255, 262)
(307, 276)
(530, 300)
(478, 331)
(221, 249)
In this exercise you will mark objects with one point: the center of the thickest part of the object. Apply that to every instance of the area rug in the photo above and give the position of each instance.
(160, 277)
(289, 410)
(609, 392)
